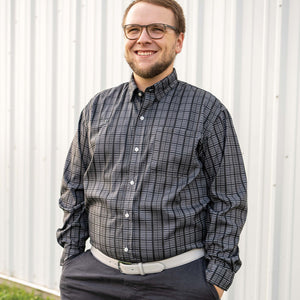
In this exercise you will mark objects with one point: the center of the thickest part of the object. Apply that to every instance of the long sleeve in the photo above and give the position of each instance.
(227, 211)
(74, 232)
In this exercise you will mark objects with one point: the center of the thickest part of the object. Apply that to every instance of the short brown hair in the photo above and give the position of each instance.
(170, 4)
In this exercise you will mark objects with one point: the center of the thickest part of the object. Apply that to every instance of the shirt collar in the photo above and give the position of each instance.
(160, 89)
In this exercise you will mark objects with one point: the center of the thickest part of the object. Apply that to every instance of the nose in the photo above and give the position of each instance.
(144, 37)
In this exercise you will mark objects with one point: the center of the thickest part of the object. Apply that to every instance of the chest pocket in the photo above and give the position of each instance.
(174, 151)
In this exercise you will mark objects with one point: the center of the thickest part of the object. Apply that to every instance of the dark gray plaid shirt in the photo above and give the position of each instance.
(151, 175)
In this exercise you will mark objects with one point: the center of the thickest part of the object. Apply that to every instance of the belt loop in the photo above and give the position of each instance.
(141, 268)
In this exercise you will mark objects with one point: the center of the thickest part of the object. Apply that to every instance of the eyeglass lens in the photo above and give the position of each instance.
(155, 31)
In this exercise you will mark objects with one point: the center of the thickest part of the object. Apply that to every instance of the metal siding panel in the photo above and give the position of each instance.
(10, 136)
(5, 59)
(57, 54)
(285, 241)
(251, 113)
(295, 260)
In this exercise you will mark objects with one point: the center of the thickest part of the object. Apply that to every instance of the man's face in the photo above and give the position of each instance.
(149, 58)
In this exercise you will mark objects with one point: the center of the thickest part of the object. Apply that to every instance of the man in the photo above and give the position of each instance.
(154, 177)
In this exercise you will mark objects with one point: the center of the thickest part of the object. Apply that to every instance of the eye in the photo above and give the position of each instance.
(132, 29)
(156, 28)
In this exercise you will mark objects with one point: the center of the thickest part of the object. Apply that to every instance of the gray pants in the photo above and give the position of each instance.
(85, 278)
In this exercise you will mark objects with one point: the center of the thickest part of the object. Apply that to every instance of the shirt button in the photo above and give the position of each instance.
(136, 149)
(140, 94)
(142, 118)
(125, 249)
(127, 215)
(131, 182)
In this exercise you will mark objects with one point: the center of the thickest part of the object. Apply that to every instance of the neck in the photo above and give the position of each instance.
(144, 83)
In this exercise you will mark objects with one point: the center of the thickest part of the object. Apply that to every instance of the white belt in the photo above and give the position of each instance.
(149, 267)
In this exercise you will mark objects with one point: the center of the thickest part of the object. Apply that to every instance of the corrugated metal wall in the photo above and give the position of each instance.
(55, 55)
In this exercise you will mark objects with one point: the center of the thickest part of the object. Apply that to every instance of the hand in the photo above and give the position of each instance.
(219, 291)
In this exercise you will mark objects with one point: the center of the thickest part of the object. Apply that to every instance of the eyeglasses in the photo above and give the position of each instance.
(155, 31)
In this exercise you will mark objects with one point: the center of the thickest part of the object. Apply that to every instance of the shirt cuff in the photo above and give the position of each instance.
(219, 276)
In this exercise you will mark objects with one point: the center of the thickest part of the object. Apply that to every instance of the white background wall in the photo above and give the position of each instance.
(56, 54)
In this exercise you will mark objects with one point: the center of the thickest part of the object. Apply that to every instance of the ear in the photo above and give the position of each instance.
(179, 43)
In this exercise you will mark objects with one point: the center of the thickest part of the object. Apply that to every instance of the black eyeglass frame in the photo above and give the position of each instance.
(147, 26)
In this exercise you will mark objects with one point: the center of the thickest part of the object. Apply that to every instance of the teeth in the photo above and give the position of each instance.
(142, 53)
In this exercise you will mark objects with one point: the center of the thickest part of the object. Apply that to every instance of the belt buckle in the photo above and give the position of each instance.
(135, 269)
(124, 263)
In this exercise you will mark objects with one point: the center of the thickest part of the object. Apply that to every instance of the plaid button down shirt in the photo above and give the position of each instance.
(155, 174)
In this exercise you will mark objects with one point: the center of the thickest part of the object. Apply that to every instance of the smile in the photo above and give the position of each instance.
(145, 53)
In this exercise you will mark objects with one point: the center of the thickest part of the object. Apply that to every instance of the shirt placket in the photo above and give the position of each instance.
(138, 134)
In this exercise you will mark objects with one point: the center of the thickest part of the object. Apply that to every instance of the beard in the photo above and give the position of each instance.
(154, 70)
